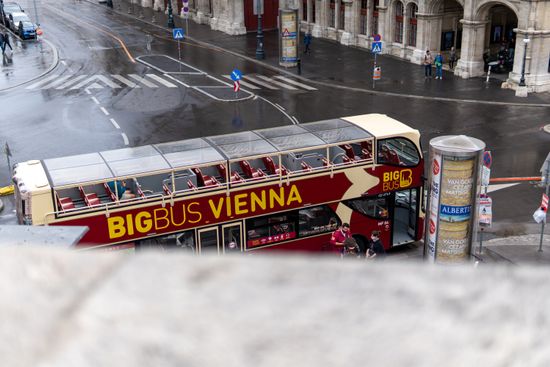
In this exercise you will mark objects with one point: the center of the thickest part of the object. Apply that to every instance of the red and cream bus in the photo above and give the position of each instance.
(284, 188)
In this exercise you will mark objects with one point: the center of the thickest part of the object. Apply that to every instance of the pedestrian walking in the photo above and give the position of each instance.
(5, 42)
(375, 250)
(339, 237)
(452, 58)
(428, 60)
(307, 42)
(438, 66)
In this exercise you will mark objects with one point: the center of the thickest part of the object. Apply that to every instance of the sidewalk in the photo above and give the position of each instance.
(338, 66)
(517, 250)
(30, 61)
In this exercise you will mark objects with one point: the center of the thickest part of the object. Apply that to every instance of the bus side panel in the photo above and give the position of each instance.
(309, 244)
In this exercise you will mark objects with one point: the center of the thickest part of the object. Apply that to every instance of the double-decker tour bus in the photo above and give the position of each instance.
(284, 188)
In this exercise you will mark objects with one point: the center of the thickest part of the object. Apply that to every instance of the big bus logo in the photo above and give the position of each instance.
(397, 180)
(435, 167)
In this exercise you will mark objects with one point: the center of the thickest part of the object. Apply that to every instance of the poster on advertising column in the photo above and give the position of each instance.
(288, 37)
(455, 208)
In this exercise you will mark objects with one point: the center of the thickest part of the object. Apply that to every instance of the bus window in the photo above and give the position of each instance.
(318, 219)
(373, 207)
(270, 229)
(398, 151)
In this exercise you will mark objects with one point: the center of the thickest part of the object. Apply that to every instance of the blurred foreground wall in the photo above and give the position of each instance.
(68, 309)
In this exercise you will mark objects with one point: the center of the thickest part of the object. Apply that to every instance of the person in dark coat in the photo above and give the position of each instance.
(307, 42)
(376, 249)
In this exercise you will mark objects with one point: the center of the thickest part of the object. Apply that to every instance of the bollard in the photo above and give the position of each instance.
(299, 62)
(488, 74)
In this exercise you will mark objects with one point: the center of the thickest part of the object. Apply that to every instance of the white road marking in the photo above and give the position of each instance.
(143, 81)
(295, 119)
(104, 111)
(95, 100)
(158, 79)
(283, 85)
(71, 81)
(283, 111)
(115, 124)
(97, 77)
(57, 82)
(88, 91)
(94, 86)
(43, 81)
(290, 81)
(259, 82)
(243, 83)
(126, 142)
(278, 105)
(122, 79)
(63, 62)
(493, 188)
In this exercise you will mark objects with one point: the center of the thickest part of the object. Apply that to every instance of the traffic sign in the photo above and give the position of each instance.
(236, 86)
(236, 75)
(376, 47)
(377, 73)
(485, 211)
(487, 158)
(178, 33)
(377, 38)
(185, 9)
(544, 202)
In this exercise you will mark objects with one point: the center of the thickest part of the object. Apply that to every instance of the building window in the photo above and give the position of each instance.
(374, 29)
(332, 14)
(398, 31)
(363, 19)
(304, 10)
(413, 9)
(342, 15)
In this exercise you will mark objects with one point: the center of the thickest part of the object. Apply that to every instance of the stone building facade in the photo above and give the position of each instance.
(478, 29)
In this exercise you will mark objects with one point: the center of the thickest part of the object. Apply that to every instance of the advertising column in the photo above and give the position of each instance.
(454, 174)
(288, 37)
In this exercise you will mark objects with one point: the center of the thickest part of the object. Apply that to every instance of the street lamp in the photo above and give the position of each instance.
(522, 79)
(170, 15)
(260, 54)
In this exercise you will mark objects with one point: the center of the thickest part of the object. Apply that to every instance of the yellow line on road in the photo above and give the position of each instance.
(80, 21)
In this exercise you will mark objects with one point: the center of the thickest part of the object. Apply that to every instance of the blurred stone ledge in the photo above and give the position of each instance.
(61, 308)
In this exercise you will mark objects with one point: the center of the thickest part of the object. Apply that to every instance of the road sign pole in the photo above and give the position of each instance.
(179, 54)
(547, 175)
(374, 80)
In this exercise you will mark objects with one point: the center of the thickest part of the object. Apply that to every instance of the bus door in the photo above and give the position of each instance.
(220, 239)
(232, 235)
(405, 216)
(207, 240)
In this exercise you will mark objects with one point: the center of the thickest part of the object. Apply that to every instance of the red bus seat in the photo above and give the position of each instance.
(366, 154)
(204, 180)
(235, 177)
(191, 185)
(109, 192)
(325, 162)
(305, 166)
(393, 157)
(251, 172)
(64, 203)
(367, 145)
(166, 190)
(346, 159)
(349, 151)
(273, 168)
(90, 199)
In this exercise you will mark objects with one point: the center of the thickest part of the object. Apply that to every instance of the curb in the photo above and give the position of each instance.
(49, 70)
(327, 84)
(1, 205)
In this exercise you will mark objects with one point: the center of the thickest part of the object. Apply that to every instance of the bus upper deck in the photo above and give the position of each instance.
(84, 183)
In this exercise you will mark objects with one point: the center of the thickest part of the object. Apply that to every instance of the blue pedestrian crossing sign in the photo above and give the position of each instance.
(236, 75)
(178, 33)
(376, 47)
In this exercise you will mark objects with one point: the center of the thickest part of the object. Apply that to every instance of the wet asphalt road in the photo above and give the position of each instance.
(49, 122)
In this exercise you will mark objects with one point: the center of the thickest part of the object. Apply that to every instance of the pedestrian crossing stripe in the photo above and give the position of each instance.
(100, 81)
(277, 82)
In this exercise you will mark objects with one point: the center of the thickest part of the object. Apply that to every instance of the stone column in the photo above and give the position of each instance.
(337, 15)
(470, 63)
(158, 5)
(426, 36)
(147, 3)
(229, 17)
(321, 21)
(309, 11)
(370, 13)
(351, 26)
(203, 12)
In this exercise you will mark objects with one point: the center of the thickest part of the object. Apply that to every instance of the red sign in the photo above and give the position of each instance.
(236, 86)
(432, 227)
(435, 167)
(270, 239)
(487, 159)
(544, 202)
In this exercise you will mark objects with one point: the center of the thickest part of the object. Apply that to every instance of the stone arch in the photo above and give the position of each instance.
(481, 12)
(433, 7)
(397, 14)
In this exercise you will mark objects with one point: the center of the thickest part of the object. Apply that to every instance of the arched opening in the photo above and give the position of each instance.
(374, 20)
(500, 39)
(398, 22)
(342, 15)
(412, 10)
(451, 28)
(332, 14)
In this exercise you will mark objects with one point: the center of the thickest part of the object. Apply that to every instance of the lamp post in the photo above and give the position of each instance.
(170, 15)
(260, 54)
(522, 79)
